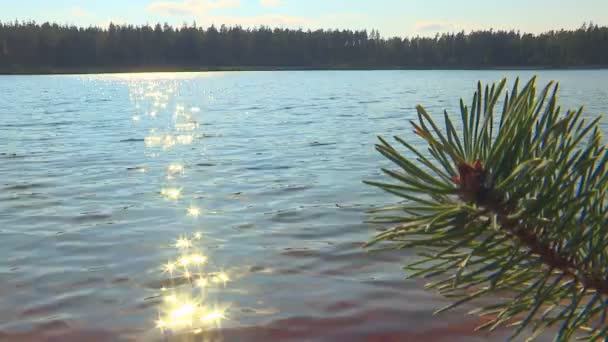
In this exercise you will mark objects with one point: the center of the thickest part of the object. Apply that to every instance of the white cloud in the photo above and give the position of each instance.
(190, 7)
(270, 3)
(78, 12)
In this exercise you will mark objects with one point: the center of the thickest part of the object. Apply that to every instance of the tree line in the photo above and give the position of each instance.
(31, 46)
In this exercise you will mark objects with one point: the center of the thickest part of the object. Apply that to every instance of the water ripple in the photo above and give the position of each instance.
(272, 163)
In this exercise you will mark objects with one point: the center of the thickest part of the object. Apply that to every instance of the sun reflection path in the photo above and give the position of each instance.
(185, 307)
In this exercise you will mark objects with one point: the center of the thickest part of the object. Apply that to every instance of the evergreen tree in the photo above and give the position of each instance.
(30, 46)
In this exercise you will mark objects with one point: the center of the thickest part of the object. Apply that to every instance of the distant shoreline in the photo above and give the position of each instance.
(120, 70)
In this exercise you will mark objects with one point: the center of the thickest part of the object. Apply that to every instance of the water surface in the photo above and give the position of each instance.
(273, 160)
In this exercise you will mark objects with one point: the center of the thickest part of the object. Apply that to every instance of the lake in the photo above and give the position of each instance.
(126, 196)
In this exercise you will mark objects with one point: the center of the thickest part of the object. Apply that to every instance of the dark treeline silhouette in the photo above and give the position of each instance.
(28, 46)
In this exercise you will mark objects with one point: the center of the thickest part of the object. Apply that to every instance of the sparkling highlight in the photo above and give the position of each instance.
(185, 307)
(194, 212)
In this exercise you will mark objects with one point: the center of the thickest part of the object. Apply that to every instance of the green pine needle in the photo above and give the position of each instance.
(519, 208)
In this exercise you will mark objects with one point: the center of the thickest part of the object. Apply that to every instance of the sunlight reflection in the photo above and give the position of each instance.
(175, 168)
(202, 282)
(185, 139)
(171, 193)
(190, 278)
(221, 278)
(189, 126)
(154, 78)
(187, 308)
(194, 212)
(167, 141)
(153, 140)
(169, 267)
(183, 243)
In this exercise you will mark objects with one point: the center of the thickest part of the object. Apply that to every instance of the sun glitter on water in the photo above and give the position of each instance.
(188, 126)
(190, 281)
(175, 168)
(183, 243)
(171, 193)
(185, 307)
(193, 211)
(185, 139)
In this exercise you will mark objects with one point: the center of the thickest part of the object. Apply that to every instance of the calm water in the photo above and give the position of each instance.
(90, 208)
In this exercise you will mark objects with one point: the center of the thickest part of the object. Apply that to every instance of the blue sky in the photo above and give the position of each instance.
(391, 17)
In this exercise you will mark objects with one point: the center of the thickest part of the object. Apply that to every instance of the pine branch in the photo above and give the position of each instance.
(522, 208)
(519, 229)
